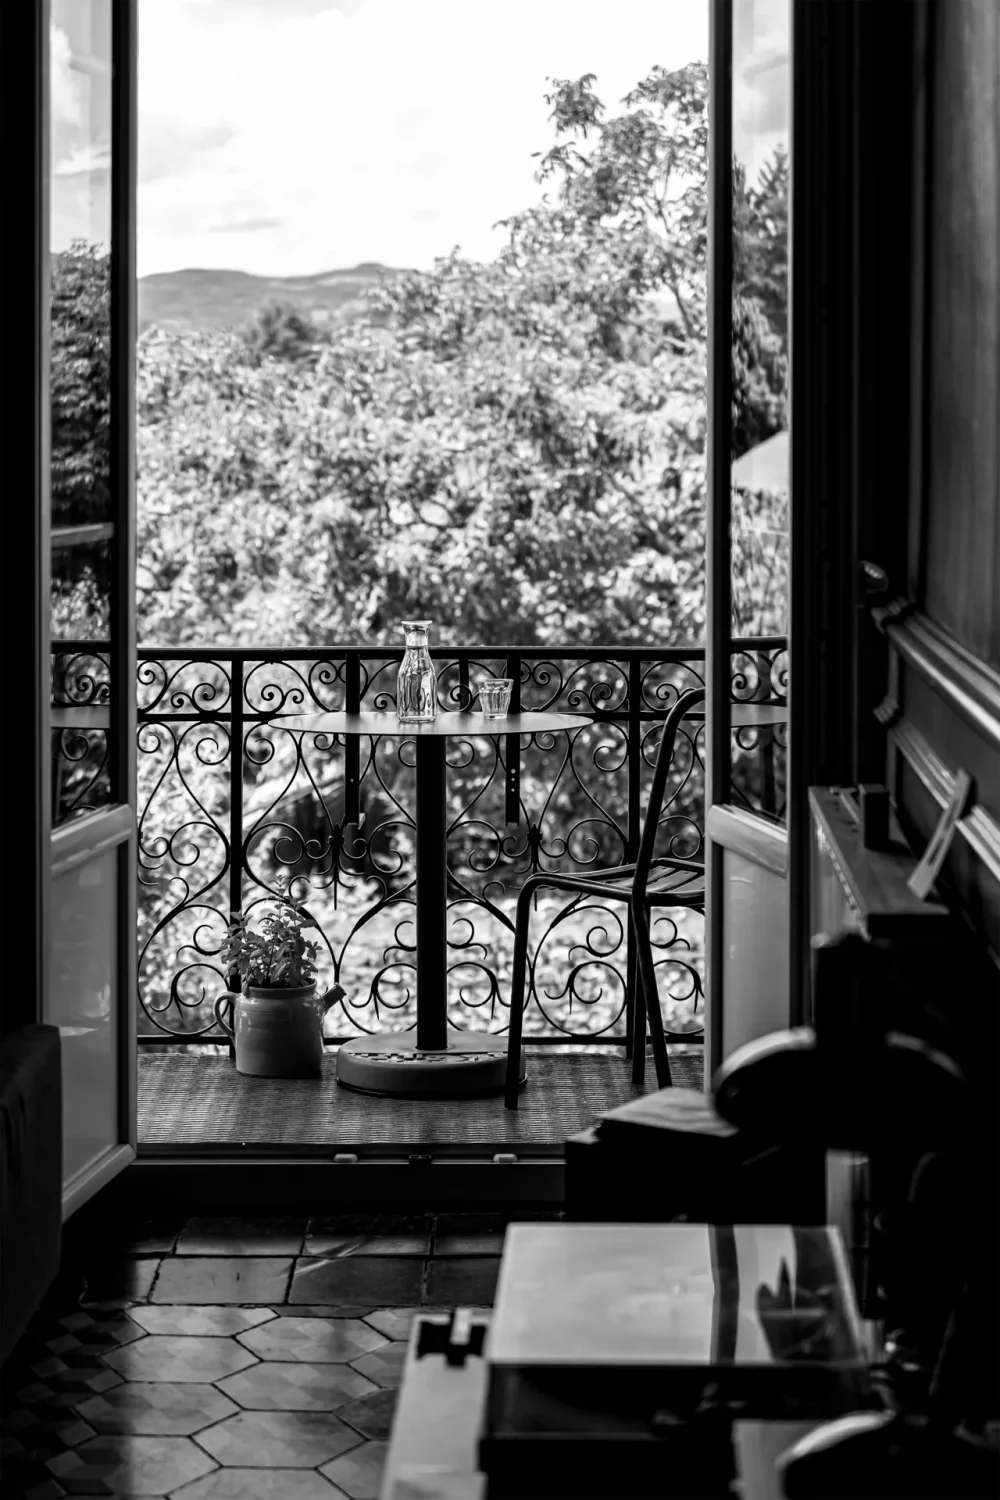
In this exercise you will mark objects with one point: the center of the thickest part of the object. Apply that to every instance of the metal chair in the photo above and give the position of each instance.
(663, 881)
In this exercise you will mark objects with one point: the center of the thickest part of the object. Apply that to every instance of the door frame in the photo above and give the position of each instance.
(44, 852)
(122, 747)
(24, 526)
(114, 826)
(718, 549)
(832, 45)
(825, 590)
(729, 828)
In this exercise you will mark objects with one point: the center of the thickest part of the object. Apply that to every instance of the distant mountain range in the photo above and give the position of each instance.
(205, 300)
(228, 299)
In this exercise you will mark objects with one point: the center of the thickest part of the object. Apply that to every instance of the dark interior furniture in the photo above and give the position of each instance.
(688, 1162)
(857, 1081)
(31, 1160)
(660, 881)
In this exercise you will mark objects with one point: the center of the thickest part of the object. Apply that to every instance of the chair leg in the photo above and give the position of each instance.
(640, 922)
(638, 1004)
(517, 999)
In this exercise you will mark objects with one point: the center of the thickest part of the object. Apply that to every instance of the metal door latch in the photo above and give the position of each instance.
(456, 1340)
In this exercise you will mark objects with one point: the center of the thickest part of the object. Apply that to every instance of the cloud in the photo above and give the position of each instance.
(244, 226)
(84, 161)
(79, 142)
(762, 81)
(387, 131)
(168, 146)
(65, 102)
(294, 7)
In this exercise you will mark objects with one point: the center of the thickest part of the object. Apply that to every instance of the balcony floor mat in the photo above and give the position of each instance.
(186, 1100)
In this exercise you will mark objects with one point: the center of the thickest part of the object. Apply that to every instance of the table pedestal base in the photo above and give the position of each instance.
(475, 1064)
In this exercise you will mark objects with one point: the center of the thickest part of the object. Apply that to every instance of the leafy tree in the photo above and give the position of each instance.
(514, 449)
(80, 380)
(285, 331)
(760, 555)
(765, 229)
(80, 384)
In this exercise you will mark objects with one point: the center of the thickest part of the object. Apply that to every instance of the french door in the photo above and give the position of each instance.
(749, 524)
(69, 319)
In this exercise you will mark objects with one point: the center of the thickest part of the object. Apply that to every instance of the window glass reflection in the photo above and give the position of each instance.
(760, 450)
(80, 126)
(81, 592)
(80, 336)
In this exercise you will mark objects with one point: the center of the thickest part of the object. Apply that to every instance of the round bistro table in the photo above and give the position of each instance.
(435, 1063)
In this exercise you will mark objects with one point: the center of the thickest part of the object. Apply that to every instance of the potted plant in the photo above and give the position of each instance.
(276, 1020)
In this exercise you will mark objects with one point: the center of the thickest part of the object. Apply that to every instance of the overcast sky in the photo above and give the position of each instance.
(293, 136)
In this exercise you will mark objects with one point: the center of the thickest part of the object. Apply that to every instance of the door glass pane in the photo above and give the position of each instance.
(83, 545)
(759, 479)
(80, 721)
(83, 982)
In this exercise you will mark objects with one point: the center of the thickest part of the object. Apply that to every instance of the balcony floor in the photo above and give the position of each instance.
(189, 1099)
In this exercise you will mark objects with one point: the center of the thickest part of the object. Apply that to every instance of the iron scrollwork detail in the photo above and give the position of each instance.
(232, 805)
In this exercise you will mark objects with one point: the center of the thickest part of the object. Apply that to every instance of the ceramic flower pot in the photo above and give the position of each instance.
(277, 1033)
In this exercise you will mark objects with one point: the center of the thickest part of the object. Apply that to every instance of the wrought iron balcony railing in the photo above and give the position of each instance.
(230, 804)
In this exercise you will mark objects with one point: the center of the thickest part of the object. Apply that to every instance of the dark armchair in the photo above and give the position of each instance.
(659, 881)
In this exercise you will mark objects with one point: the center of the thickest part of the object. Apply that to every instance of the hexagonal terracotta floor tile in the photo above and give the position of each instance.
(67, 1385)
(359, 1473)
(384, 1366)
(156, 1408)
(323, 1309)
(296, 1386)
(38, 1433)
(177, 1318)
(259, 1484)
(278, 1439)
(395, 1322)
(179, 1357)
(131, 1465)
(52, 1428)
(93, 1333)
(322, 1341)
(371, 1415)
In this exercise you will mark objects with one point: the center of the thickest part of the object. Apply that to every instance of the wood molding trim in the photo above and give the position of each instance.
(978, 828)
(95, 1175)
(966, 684)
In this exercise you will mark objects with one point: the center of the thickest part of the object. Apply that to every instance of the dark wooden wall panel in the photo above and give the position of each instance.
(961, 532)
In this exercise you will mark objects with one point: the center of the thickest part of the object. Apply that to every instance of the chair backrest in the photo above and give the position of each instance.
(661, 770)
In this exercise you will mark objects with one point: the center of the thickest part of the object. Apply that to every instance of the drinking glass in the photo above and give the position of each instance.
(494, 696)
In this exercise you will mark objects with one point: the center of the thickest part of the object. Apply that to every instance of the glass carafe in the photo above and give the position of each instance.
(416, 685)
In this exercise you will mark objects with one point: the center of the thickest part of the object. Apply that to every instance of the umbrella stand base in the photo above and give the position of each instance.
(471, 1065)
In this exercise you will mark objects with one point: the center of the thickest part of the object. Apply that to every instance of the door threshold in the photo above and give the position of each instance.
(347, 1153)
(420, 1180)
